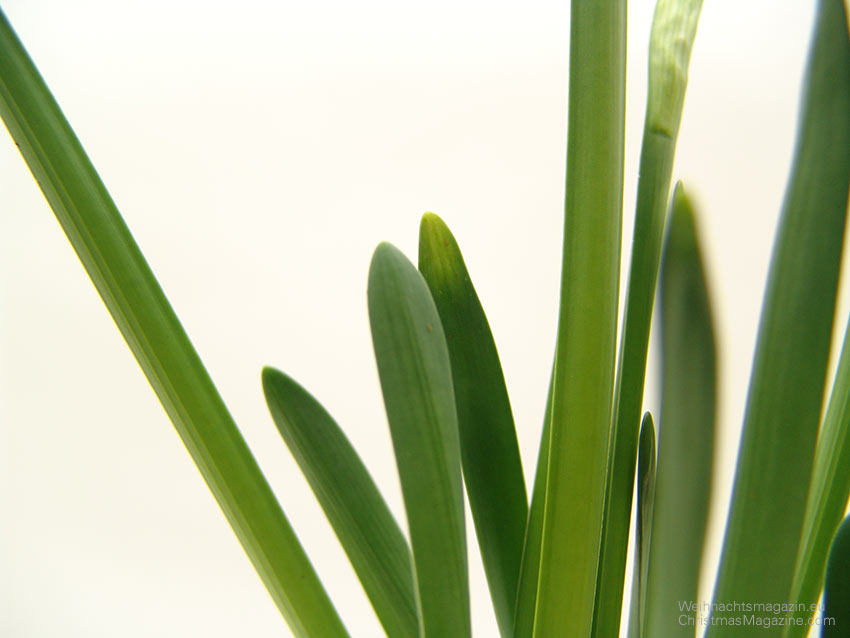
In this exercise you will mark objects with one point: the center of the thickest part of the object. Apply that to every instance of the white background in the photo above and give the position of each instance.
(258, 155)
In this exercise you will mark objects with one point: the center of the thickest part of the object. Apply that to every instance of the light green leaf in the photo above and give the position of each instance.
(646, 477)
(828, 492)
(492, 469)
(672, 37)
(836, 597)
(355, 508)
(526, 605)
(413, 363)
(147, 322)
(787, 384)
(686, 433)
(586, 346)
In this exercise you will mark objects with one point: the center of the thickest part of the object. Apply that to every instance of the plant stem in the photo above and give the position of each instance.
(587, 326)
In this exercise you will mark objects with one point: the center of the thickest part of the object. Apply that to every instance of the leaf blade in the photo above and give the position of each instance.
(786, 390)
(415, 373)
(526, 604)
(151, 329)
(646, 482)
(349, 497)
(828, 492)
(686, 433)
(492, 468)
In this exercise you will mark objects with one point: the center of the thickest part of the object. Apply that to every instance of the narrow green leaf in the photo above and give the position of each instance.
(526, 604)
(355, 508)
(587, 325)
(671, 39)
(787, 385)
(147, 322)
(836, 597)
(828, 493)
(686, 433)
(646, 477)
(492, 469)
(413, 363)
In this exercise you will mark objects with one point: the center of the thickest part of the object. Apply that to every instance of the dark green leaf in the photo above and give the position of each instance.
(492, 469)
(413, 363)
(646, 476)
(836, 597)
(361, 519)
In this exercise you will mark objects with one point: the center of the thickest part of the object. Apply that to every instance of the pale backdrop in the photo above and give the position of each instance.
(259, 153)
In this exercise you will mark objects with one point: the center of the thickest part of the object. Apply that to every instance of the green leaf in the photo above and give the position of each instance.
(358, 514)
(413, 363)
(672, 37)
(836, 598)
(686, 433)
(646, 477)
(787, 386)
(526, 605)
(147, 322)
(492, 469)
(587, 325)
(828, 492)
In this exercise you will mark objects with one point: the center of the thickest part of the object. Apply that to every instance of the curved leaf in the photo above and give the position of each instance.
(413, 363)
(492, 469)
(355, 508)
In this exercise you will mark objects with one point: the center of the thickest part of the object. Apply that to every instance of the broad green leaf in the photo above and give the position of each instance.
(836, 597)
(415, 372)
(492, 469)
(671, 39)
(828, 492)
(147, 322)
(646, 476)
(587, 324)
(526, 605)
(686, 432)
(787, 383)
(355, 508)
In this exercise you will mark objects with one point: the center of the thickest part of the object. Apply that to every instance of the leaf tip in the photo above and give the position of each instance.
(268, 376)
(683, 229)
(433, 236)
(440, 260)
